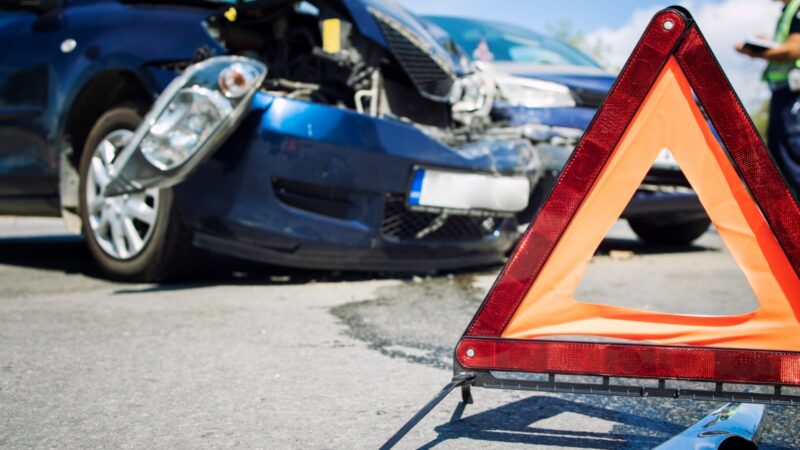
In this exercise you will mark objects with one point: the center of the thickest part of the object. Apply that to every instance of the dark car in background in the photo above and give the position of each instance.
(331, 134)
(555, 89)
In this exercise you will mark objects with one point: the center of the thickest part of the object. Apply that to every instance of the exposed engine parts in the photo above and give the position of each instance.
(315, 53)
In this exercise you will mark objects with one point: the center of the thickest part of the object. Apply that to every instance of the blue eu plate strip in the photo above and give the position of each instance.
(416, 187)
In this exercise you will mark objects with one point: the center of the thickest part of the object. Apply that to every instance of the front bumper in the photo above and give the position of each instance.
(307, 185)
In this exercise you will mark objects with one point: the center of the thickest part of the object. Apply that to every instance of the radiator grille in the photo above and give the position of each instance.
(430, 76)
(401, 223)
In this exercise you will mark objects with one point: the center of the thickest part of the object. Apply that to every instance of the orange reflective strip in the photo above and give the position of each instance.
(668, 118)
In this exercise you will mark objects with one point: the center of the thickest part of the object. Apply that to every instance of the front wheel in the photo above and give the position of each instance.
(133, 237)
(665, 232)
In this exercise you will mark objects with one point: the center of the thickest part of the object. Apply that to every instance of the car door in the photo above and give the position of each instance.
(28, 164)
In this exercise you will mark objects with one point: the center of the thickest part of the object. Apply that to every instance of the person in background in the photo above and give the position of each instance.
(783, 76)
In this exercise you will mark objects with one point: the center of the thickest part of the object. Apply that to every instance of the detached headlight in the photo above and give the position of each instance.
(193, 116)
(531, 93)
(188, 121)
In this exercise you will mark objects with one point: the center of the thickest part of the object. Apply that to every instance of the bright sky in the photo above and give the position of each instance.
(618, 24)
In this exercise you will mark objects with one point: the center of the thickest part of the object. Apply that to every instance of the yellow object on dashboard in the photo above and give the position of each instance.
(230, 14)
(332, 35)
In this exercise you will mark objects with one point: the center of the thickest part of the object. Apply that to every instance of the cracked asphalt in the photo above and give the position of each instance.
(250, 356)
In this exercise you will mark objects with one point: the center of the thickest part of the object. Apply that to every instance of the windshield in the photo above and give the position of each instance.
(490, 41)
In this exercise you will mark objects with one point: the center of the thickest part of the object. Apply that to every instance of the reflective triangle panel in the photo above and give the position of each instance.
(651, 107)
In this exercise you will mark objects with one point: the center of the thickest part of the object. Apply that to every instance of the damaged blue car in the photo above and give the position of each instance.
(336, 134)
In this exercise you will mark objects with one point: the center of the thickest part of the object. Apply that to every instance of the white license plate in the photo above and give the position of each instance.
(665, 159)
(468, 191)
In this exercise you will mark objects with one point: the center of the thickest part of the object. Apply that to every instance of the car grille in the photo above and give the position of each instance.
(430, 76)
(587, 98)
(401, 223)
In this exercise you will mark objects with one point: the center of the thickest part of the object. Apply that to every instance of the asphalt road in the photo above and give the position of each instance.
(249, 356)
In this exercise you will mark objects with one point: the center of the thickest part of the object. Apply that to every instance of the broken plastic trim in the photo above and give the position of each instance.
(133, 172)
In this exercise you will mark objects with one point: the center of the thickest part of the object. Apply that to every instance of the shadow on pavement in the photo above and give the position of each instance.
(65, 253)
(515, 423)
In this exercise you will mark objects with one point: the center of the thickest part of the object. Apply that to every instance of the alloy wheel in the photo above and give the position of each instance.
(121, 225)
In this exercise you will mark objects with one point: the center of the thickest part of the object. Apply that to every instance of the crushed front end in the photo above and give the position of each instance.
(308, 185)
(368, 145)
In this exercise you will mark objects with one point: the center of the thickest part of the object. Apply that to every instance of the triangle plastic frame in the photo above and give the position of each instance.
(671, 35)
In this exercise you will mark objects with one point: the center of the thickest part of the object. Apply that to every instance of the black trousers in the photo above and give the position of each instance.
(783, 135)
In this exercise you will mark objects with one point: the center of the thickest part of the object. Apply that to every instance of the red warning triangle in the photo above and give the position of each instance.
(653, 105)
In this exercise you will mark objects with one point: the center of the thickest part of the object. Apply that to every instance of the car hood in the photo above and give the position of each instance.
(592, 79)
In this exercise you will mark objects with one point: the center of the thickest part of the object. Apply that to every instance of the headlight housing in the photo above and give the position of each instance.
(185, 124)
(188, 121)
(531, 93)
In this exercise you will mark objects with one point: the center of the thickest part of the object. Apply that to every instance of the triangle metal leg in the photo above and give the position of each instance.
(463, 380)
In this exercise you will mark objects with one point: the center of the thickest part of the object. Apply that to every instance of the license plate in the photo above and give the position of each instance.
(665, 159)
(443, 189)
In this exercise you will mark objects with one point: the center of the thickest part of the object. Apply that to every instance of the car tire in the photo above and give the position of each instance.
(137, 237)
(654, 231)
